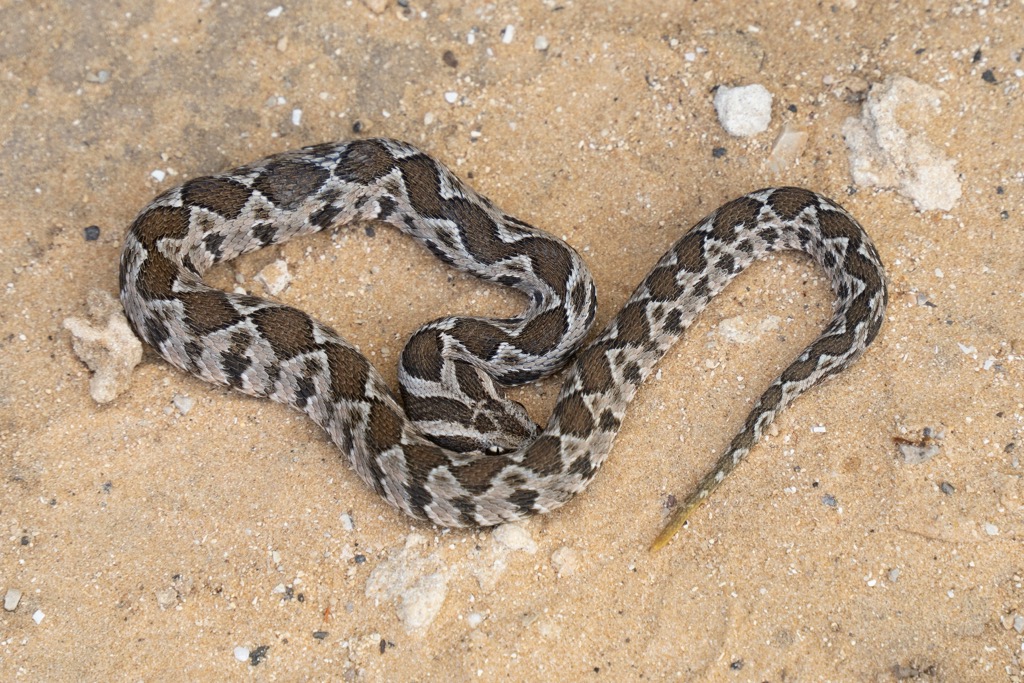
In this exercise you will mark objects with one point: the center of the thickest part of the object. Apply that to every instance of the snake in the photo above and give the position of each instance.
(454, 449)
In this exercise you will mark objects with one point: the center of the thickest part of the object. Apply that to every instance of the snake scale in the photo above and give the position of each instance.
(460, 453)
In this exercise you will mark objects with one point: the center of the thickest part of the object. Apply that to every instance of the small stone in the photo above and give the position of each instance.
(258, 655)
(744, 111)
(421, 603)
(508, 33)
(991, 529)
(1018, 624)
(276, 12)
(92, 233)
(38, 616)
(376, 6)
(11, 599)
(450, 59)
(166, 598)
(788, 148)
(111, 351)
(346, 522)
(275, 277)
(514, 537)
(830, 500)
(183, 403)
(241, 653)
(320, 635)
(915, 454)
(565, 561)
(947, 488)
(894, 574)
(158, 175)
(451, 97)
(282, 44)
(296, 117)
(474, 619)
(540, 43)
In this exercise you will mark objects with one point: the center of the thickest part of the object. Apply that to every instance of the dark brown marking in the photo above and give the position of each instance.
(422, 459)
(478, 231)
(289, 331)
(208, 310)
(422, 185)
(384, 427)
(543, 456)
(550, 260)
(364, 161)
(835, 225)
(479, 475)
(426, 408)
(662, 285)
(578, 298)
(631, 324)
(479, 337)
(156, 277)
(421, 357)
(524, 499)
(543, 332)
(609, 423)
(222, 196)
(574, 417)
(690, 252)
(595, 373)
(742, 211)
(287, 182)
(470, 381)
(790, 202)
(159, 223)
(349, 372)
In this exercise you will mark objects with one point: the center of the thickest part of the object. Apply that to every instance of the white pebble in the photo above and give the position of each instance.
(38, 616)
(1018, 624)
(540, 43)
(451, 97)
(241, 653)
(514, 537)
(296, 117)
(275, 277)
(428, 118)
(158, 175)
(565, 561)
(183, 403)
(508, 34)
(11, 599)
(346, 522)
(991, 529)
(474, 619)
(744, 111)
(421, 603)
(273, 14)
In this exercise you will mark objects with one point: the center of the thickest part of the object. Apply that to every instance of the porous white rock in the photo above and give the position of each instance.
(890, 147)
(105, 342)
(745, 110)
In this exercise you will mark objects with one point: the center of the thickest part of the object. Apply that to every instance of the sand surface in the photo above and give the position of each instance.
(185, 532)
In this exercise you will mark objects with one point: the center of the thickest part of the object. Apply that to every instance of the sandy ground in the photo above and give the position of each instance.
(219, 537)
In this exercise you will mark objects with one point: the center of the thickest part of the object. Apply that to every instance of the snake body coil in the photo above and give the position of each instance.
(460, 453)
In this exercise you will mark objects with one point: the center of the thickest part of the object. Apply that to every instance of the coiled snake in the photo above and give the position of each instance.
(460, 453)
